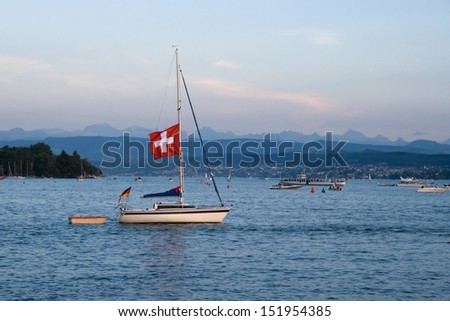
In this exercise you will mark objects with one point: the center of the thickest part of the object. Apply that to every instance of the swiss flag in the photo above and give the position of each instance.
(165, 143)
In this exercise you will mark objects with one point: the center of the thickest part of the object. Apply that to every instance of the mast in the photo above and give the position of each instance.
(179, 124)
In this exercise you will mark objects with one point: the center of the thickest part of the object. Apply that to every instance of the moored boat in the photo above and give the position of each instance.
(410, 181)
(87, 219)
(336, 188)
(167, 143)
(386, 184)
(431, 189)
(303, 180)
(282, 186)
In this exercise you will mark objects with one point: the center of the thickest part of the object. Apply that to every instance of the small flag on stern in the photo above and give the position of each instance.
(125, 194)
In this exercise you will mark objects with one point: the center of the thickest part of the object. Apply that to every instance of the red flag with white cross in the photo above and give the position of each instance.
(165, 143)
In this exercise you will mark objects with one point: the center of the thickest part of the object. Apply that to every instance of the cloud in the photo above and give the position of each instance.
(13, 70)
(30, 68)
(321, 38)
(17, 66)
(231, 89)
(325, 39)
(226, 64)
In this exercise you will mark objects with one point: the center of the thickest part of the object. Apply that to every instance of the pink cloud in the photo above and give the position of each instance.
(231, 89)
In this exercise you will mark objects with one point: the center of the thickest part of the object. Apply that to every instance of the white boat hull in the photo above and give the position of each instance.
(294, 182)
(289, 187)
(431, 190)
(184, 215)
(410, 184)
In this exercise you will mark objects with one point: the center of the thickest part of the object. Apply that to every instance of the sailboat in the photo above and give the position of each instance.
(13, 175)
(81, 177)
(165, 144)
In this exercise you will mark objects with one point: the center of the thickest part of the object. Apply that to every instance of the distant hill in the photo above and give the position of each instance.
(427, 147)
(91, 146)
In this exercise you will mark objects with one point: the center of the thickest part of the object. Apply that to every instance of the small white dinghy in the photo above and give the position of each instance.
(87, 219)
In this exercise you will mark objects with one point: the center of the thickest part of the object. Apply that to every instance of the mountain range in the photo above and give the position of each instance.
(105, 130)
(89, 141)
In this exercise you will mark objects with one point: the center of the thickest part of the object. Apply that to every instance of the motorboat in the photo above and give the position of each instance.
(431, 189)
(303, 180)
(282, 186)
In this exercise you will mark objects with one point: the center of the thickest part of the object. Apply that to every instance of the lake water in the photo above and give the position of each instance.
(364, 243)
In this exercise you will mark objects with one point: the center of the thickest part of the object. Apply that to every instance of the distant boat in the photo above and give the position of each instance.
(81, 177)
(92, 177)
(229, 176)
(138, 179)
(431, 189)
(302, 180)
(386, 185)
(282, 186)
(410, 181)
(168, 143)
(11, 173)
(335, 188)
(87, 219)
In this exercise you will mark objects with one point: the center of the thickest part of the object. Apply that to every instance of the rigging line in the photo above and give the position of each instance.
(205, 155)
(163, 95)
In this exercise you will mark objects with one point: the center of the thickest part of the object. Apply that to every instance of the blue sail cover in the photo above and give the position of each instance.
(174, 192)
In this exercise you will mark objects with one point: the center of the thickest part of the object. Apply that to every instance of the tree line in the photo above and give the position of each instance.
(38, 160)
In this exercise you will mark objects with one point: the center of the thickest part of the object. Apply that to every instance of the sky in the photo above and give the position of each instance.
(252, 66)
